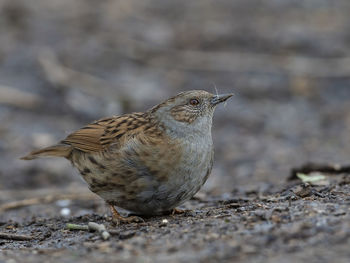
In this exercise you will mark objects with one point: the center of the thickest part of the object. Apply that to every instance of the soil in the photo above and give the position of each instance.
(64, 64)
(295, 224)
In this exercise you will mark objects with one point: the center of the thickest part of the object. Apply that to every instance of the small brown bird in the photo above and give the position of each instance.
(147, 163)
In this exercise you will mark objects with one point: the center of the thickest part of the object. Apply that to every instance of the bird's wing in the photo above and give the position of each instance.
(98, 135)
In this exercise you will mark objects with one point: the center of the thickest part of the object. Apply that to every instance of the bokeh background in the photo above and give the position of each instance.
(66, 63)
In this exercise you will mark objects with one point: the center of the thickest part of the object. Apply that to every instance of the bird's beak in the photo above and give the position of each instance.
(220, 98)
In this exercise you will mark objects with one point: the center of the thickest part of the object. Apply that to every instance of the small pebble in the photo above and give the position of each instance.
(65, 211)
(164, 222)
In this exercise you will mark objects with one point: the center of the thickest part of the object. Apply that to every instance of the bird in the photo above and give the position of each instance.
(148, 162)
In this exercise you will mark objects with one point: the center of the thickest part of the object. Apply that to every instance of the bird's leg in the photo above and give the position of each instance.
(117, 218)
(177, 211)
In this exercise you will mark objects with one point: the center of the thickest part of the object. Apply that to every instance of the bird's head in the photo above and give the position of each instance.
(189, 110)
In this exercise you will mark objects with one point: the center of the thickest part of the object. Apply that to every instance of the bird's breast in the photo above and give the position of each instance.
(186, 178)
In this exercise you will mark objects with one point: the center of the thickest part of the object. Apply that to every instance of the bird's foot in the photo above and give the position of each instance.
(177, 211)
(117, 218)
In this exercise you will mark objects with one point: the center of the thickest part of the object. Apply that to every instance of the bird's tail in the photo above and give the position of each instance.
(59, 150)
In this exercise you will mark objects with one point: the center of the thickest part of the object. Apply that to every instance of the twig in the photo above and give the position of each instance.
(19, 98)
(9, 236)
(101, 229)
(64, 77)
(77, 227)
(44, 200)
(92, 226)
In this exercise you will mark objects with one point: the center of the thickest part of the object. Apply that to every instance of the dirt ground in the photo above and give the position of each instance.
(66, 63)
(295, 224)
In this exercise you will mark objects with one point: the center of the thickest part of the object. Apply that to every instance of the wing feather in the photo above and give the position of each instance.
(98, 135)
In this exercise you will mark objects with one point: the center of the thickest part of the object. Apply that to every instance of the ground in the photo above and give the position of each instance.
(66, 63)
(298, 223)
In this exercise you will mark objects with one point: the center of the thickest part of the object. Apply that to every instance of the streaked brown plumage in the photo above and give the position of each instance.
(149, 162)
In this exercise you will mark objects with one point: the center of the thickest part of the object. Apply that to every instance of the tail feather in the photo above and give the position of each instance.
(59, 150)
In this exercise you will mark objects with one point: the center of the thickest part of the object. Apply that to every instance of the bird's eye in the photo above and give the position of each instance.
(194, 102)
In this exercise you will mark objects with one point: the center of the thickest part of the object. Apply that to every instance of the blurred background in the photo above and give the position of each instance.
(66, 63)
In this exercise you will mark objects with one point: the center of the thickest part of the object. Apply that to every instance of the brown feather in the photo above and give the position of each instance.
(58, 150)
(99, 135)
